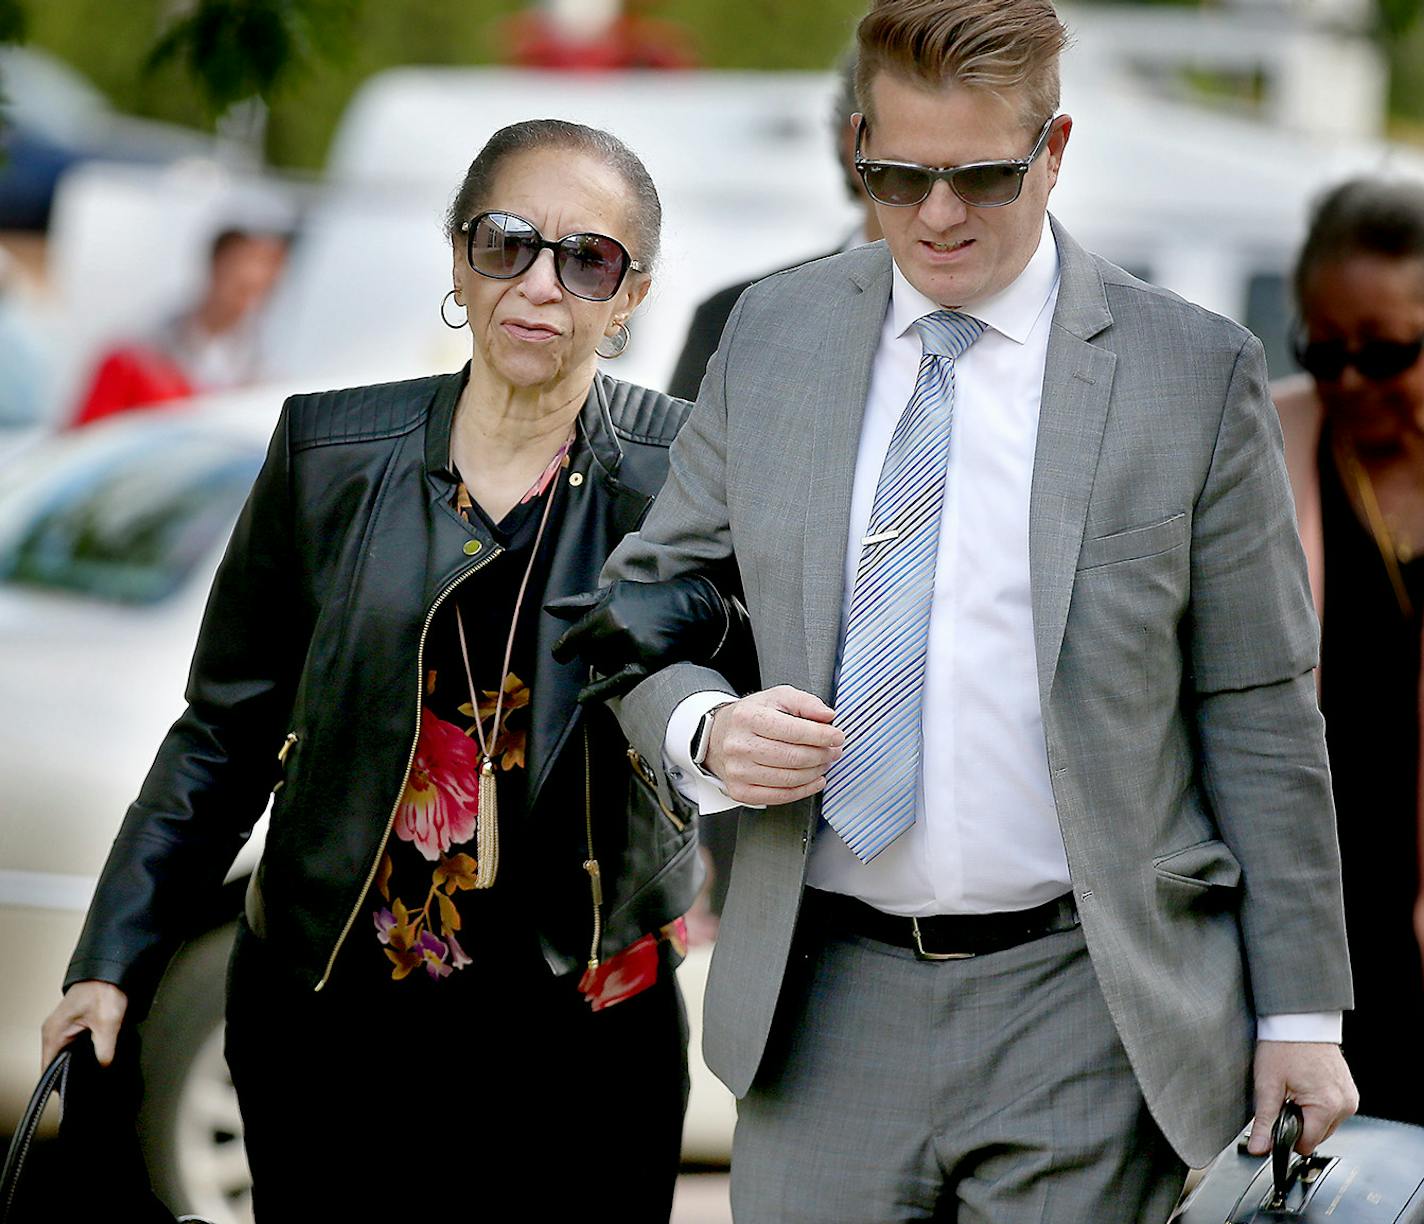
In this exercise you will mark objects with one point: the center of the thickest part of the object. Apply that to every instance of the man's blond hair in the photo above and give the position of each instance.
(993, 45)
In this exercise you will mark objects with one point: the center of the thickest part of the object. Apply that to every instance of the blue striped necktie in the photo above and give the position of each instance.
(871, 790)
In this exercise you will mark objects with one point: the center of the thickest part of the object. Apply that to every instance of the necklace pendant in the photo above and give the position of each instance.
(487, 820)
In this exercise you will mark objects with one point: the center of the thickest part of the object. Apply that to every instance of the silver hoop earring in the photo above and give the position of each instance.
(443, 303)
(615, 345)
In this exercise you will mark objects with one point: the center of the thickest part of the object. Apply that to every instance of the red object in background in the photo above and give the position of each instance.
(630, 41)
(131, 377)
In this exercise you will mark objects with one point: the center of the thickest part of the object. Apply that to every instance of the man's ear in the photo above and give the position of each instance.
(1057, 142)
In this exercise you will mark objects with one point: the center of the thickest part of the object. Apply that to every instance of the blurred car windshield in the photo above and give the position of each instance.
(126, 519)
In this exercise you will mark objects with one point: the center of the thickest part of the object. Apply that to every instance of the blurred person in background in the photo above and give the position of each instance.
(1354, 430)
(211, 346)
(24, 371)
(710, 317)
(454, 972)
(598, 35)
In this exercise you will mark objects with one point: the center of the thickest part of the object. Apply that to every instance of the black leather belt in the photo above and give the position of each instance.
(943, 936)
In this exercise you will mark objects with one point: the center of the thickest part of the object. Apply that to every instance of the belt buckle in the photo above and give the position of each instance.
(933, 956)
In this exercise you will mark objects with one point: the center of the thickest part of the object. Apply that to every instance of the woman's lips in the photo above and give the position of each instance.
(523, 329)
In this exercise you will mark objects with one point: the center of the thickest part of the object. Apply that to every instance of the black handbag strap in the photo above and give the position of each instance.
(51, 1081)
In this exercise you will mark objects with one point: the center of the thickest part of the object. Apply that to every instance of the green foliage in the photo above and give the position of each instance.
(1397, 17)
(236, 49)
(766, 34)
(1405, 51)
(12, 21)
(308, 57)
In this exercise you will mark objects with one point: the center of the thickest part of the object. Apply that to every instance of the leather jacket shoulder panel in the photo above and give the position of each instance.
(358, 414)
(637, 427)
(641, 415)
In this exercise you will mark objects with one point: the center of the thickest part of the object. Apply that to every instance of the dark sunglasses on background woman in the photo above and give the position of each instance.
(503, 245)
(1377, 360)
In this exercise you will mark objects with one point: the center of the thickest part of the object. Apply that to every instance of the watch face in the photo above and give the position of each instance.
(700, 737)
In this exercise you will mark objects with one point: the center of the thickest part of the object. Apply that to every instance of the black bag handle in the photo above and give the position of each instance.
(1285, 1134)
(96, 1134)
(1288, 1169)
(52, 1080)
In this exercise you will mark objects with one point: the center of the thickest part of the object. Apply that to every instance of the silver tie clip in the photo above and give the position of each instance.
(880, 537)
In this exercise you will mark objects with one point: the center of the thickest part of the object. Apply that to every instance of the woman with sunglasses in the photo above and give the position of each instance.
(453, 979)
(1355, 441)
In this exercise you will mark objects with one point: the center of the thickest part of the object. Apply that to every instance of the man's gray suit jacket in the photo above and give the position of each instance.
(1175, 641)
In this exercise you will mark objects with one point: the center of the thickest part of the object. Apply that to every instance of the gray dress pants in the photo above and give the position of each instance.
(991, 1090)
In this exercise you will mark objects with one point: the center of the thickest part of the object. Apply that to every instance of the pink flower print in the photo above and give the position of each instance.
(459, 957)
(433, 952)
(385, 920)
(440, 802)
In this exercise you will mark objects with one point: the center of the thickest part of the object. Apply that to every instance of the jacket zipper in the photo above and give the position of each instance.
(287, 745)
(495, 551)
(595, 875)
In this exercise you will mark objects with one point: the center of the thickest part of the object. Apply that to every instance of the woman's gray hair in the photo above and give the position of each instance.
(1363, 216)
(531, 135)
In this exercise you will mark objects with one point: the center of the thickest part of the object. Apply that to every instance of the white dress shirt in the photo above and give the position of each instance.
(986, 834)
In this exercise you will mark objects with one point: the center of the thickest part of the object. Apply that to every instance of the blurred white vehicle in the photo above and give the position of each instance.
(108, 540)
(109, 537)
(1211, 205)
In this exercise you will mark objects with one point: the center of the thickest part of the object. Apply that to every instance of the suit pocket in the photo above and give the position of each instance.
(1205, 874)
(1134, 543)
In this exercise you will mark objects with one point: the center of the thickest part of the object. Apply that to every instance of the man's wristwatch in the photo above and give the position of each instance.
(702, 735)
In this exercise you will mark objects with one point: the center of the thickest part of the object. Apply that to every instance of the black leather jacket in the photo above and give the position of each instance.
(310, 648)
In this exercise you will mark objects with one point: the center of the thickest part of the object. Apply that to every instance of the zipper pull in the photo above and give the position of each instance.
(595, 879)
(282, 759)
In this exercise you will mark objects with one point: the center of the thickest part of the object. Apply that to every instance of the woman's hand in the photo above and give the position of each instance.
(628, 630)
(96, 1006)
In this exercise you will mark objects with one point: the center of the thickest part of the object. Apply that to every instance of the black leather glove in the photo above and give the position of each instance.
(628, 630)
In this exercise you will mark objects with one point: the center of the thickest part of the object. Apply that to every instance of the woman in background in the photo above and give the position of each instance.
(1355, 445)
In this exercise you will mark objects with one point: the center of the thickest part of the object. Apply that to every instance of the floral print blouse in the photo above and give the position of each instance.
(425, 885)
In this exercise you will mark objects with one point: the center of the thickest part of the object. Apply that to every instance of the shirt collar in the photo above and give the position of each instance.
(1012, 311)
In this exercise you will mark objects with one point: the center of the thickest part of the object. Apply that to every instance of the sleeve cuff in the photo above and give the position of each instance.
(693, 783)
(1300, 1026)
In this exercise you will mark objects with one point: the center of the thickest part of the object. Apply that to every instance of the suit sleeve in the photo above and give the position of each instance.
(211, 778)
(687, 530)
(1252, 644)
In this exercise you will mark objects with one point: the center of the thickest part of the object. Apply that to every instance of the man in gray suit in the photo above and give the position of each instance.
(1036, 881)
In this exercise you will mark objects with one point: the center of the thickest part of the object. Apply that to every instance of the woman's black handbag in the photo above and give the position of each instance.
(97, 1171)
(1368, 1170)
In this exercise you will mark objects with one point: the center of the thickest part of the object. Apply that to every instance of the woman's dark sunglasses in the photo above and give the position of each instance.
(986, 184)
(1377, 360)
(502, 245)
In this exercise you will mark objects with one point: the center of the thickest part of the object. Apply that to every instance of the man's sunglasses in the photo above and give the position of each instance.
(502, 245)
(1377, 360)
(986, 184)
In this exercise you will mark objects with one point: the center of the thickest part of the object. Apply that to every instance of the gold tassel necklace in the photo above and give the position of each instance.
(487, 797)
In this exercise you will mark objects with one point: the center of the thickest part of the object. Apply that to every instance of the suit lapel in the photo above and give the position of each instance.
(850, 337)
(1077, 387)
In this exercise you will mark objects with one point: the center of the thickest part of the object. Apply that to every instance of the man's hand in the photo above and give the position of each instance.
(773, 747)
(96, 1006)
(1314, 1074)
